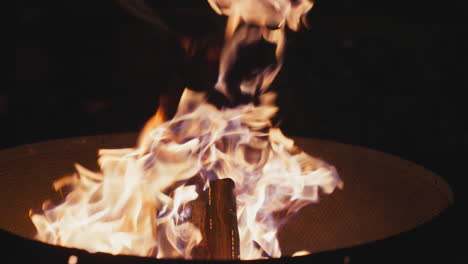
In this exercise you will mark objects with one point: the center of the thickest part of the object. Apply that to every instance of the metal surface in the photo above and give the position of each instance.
(383, 194)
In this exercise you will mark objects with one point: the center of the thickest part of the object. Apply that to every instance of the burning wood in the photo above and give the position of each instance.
(214, 213)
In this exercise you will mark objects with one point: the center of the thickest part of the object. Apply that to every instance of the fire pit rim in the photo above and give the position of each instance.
(436, 181)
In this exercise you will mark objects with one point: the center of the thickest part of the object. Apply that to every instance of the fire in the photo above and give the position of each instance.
(136, 203)
(250, 22)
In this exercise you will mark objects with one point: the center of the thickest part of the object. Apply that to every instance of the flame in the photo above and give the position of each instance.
(300, 253)
(125, 208)
(158, 118)
(135, 204)
(250, 22)
(72, 259)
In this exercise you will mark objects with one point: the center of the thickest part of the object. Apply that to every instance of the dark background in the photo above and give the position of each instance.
(388, 75)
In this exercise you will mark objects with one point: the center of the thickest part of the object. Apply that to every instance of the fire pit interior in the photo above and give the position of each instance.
(382, 197)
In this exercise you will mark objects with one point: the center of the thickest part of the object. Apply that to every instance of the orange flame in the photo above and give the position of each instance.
(158, 118)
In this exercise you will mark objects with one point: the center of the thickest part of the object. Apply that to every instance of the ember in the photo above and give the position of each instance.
(146, 200)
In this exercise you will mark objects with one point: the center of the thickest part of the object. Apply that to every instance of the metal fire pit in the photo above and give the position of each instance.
(383, 196)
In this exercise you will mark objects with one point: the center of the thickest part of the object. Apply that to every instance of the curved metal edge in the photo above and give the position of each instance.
(415, 246)
(435, 179)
